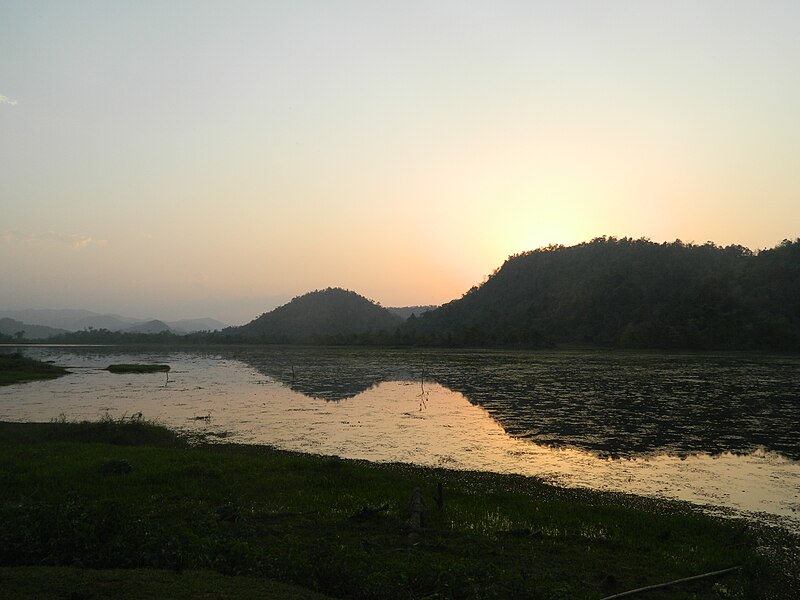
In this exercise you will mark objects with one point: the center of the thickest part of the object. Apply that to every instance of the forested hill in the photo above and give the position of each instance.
(628, 293)
(321, 316)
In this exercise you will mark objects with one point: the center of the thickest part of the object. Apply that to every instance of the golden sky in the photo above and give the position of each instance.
(189, 159)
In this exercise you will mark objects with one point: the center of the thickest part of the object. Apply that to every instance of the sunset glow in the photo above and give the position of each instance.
(205, 159)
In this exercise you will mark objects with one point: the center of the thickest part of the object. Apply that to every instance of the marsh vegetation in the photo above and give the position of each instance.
(16, 367)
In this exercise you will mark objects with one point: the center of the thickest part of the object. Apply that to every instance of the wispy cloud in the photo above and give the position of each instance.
(7, 100)
(82, 241)
(73, 240)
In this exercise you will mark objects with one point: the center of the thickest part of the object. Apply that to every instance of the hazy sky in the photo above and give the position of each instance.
(185, 159)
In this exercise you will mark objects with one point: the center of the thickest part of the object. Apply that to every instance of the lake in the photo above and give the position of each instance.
(718, 430)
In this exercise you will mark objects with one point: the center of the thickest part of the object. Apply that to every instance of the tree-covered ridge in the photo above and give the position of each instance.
(622, 293)
(320, 316)
(629, 293)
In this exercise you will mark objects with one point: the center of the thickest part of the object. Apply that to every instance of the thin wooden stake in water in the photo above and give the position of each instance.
(669, 583)
(423, 395)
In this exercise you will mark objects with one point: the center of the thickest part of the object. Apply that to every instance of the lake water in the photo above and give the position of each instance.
(721, 431)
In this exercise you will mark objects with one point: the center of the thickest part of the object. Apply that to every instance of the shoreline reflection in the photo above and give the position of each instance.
(385, 424)
(373, 411)
(619, 405)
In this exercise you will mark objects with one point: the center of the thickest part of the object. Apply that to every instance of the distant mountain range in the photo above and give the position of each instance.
(45, 323)
(154, 326)
(25, 331)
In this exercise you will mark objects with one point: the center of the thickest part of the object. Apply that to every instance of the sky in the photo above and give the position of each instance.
(190, 159)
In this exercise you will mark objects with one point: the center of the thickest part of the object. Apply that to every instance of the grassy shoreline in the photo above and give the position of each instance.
(133, 495)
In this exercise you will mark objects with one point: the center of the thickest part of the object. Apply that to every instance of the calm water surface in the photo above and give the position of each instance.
(719, 431)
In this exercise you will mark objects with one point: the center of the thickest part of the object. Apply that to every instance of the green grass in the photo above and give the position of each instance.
(16, 368)
(138, 368)
(207, 511)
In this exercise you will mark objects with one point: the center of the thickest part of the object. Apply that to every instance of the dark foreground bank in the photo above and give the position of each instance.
(129, 509)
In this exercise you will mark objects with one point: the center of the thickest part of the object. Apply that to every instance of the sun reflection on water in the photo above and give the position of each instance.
(387, 422)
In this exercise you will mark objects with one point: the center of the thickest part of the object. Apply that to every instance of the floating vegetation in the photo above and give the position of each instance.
(138, 368)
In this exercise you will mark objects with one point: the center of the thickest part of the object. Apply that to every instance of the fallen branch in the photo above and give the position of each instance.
(669, 583)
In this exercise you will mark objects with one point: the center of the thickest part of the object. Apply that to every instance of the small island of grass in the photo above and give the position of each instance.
(16, 368)
(138, 368)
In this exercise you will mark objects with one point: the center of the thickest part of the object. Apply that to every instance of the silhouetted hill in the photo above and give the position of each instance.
(333, 314)
(154, 326)
(18, 330)
(628, 293)
(110, 322)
